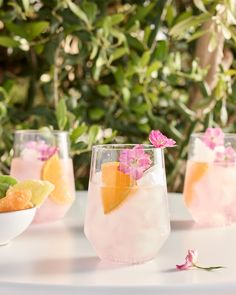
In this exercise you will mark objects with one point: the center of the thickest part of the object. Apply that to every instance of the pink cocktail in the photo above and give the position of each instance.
(127, 219)
(39, 155)
(210, 186)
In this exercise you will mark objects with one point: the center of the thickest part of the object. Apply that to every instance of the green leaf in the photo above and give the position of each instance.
(126, 94)
(145, 58)
(161, 51)
(8, 42)
(200, 5)
(29, 30)
(3, 110)
(119, 75)
(170, 14)
(118, 53)
(61, 114)
(153, 68)
(3, 189)
(96, 113)
(5, 94)
(147, 33)
(26, 4)
(141, 13)
(93, 132)
(34, 29)
(197, 35)
(78, 11)
(77, 132)
(117, 18)
(104, 90)
(18, 30)
(90, 9)
(118, 35)
(134, 43)
(192, 21)
(6, 182)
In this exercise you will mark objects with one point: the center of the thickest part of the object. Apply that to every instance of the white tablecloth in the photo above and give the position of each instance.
(56, 259)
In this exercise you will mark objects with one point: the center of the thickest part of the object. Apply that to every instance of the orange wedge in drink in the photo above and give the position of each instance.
(116, 186)
(53, 172)
(195, 171)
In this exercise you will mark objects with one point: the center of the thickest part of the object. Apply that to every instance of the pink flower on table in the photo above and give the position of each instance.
(213, 137)
(159, 140)
(44, 150)
(190, 260)
(227, 156)
(134, 161)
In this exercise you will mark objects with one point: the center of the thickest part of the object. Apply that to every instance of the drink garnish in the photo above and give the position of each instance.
(134, 161)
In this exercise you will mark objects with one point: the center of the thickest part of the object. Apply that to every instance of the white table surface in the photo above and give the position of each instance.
(57, 259)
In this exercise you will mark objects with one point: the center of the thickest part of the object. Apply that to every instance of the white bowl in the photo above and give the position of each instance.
(13, 223)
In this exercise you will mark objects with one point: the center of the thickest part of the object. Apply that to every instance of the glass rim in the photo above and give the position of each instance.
(121, 146)
(226, 135)
(41, 132)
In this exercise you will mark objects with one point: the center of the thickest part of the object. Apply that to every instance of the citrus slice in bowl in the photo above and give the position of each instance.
(116, 186)
(40, 190)
(53, 172)
(195, 171)
(16, 200)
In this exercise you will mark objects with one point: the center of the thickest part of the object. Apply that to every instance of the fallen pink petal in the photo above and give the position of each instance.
(159, 140)
(191, 262)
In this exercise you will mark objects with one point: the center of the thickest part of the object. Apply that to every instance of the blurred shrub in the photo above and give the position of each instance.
(111, 71)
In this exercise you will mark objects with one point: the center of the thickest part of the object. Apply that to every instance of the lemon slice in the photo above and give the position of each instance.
(40, 190)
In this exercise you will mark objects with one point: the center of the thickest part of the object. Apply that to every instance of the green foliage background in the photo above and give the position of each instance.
(111, 71)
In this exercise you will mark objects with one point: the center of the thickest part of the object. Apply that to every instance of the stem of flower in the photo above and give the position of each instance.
(210, 268)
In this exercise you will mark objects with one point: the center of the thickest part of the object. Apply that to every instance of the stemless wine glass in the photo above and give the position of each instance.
(44, 155)
(210, 185)
(127, 217)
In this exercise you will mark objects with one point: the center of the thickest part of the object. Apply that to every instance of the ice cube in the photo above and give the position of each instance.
(201, 152)
(30, 154)
(152, 176)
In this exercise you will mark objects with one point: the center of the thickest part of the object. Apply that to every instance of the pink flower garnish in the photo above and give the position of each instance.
(45, 151)
(226, 157)
(191, 262)
(159, 140)
(213, 137)
(134, 161)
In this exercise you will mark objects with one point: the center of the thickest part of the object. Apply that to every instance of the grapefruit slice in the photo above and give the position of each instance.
(40, 190)
(53, 172)
(195, 171)
(16, 200)
(116, 186)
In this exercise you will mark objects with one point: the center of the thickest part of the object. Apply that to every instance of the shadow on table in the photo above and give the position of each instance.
(182, 224)
(187, 224)
(56, 267)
